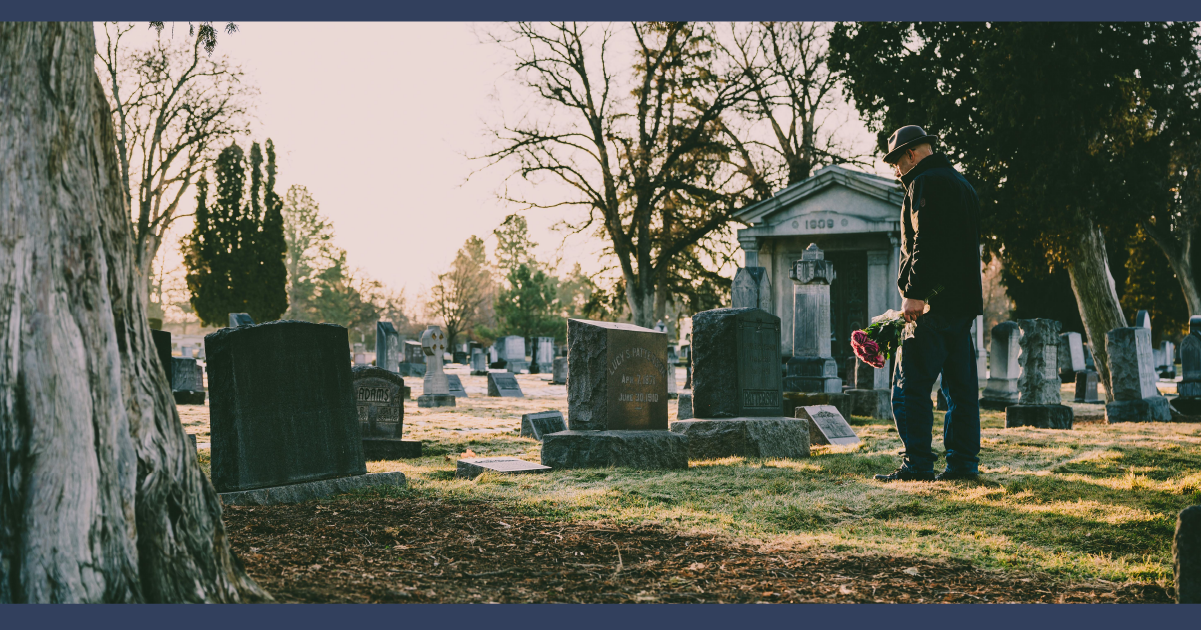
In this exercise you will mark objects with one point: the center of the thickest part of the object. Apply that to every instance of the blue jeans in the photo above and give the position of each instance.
(939, 344)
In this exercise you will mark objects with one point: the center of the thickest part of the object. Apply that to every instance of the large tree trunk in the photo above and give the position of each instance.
(1096, 294)
(1177, 247)
(101, 496)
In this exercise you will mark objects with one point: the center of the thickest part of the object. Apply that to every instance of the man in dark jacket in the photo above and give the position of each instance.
(940, 281)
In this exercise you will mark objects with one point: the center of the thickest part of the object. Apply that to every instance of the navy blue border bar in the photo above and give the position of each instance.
(585, 10)
(602, 617)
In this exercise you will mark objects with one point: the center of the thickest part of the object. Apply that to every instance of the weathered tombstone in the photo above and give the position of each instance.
(479, 362)
(811, 368)
(162, 347)
(1188, 401)
(473, 467)
(544, 354)
(186, 352)
(387, 346)
(1071, 356)
(1039, 385)
(1086, 387)
(513, 353)
(455, 385)
(187, 381)
(240, 319)
(1002, 388)
(827, 426)
(558, 375)
(494, 358)
(1166, 360)
(537, 425)
(360, 357)
(1135, 397)
(459, 357)
(1088, 358)
(379, 399)
(871, 396)
(751, 289)
(979, 348)
(283, 420)
(413, 359)
(1186, 556)
(435, 389)
(684, 406)
(503, 385)
(617, 401)
(1142, 319)
(737, 394)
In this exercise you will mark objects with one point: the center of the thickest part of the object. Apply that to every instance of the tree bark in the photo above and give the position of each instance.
(101, 496)
(1177, 247)
(1096, 294)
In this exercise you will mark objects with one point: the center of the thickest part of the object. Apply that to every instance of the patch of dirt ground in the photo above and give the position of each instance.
(392, 550)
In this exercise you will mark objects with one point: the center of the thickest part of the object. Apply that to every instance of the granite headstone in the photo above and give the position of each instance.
(751, 289)
(240, 319)
(435, 390)
(811, 369)
(736, 363)
(1135, 396)
(455, 385)
(827, 426)
(1039, 385)
(503, 385)
(1071, 356)
(379, 399)
(542, 423)
(1002, 388)
(470, 468)
(558, 375)
(1188, 401)
(479, 362)
(387, 346)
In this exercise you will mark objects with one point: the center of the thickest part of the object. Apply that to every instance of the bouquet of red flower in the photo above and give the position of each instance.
(876, 344)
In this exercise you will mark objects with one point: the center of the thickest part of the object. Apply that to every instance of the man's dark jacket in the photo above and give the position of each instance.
(940, 239)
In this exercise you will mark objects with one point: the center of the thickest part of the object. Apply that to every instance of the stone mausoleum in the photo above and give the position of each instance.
(855, 218)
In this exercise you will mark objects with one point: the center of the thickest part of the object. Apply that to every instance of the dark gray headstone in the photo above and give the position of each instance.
(379, 401)
(559, 373)
(1086, 387)
(476, 466)
(684, 406)
(1071, 356)
(1136, 398)
(162, 347)
(479, 362)
(1189, 400)
(827, 426)
(618, 377)
(736, 364)
(240, 319)
(186, 375)
(1186, 555)
(503, 384)
(537, 425)
(283, 408)
(455, 385)
(387, 346)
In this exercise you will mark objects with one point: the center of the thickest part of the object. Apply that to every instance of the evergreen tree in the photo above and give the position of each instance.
(527, 307)
(235, 253)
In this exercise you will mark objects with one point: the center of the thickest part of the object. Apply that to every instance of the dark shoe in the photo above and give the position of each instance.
(950, 475)
(904, 474)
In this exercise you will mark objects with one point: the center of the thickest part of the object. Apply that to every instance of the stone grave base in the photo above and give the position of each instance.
(375, 449)
(745, 437)
(996, 404)
(188, 398)
(870, 403)
(792, 400)
(516, 367)
(297, 492)
(1153, 409)
(436, 400)
(476, 466)
(1187, 406)
(1038, 416)
(642, 450)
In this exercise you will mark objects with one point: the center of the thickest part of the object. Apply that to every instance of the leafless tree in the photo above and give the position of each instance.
(173, 107)
(460, 294)
(640, 142)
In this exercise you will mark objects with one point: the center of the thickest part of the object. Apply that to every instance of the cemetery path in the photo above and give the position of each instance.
(416, 549)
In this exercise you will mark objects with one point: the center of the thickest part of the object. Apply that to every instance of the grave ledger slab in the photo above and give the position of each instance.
(1135, 397)
(827, 425)
(504, 385)
(435, 390)
(282, 409)
(473, 467)
(379, 400)
(737, 393)
(537, 425)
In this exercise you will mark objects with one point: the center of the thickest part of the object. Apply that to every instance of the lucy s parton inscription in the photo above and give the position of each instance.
(637, 383)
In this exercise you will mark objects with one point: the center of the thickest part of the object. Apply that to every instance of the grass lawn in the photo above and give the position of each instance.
(1096, 502)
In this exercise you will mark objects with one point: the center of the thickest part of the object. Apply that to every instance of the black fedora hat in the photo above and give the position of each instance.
(904, 138)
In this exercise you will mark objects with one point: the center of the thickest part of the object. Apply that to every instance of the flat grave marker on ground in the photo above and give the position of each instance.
(537, 425)
(827, 426)
(473, 467)
(455, 385)
(504, 385)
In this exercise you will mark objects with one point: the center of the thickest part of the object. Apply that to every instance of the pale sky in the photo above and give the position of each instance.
(377, 119)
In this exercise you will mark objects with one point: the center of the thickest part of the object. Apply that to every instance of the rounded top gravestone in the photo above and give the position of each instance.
(379, 399)
(433, 341)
